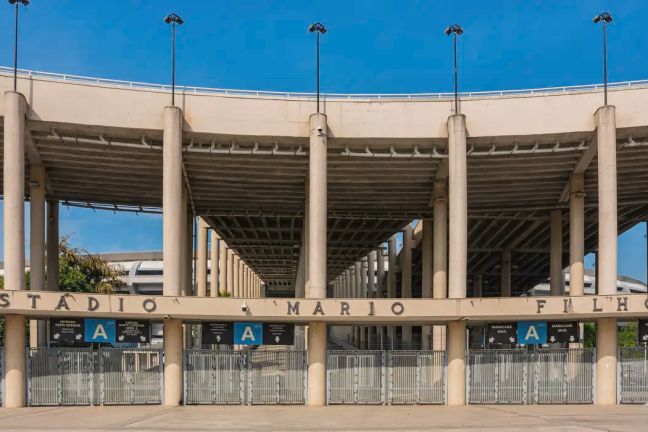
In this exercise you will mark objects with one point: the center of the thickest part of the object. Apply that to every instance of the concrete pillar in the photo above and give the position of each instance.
(14, 244)
(380, 272)
(457, 363)
(357, 289)
(391, 277)
(606, 361)
(226, 269)
(506, 273)
(201, 259)
(427, 263)
(577, 235)
(607, 200)
(52, 245)
(556, 285)
(316, 269)
(235, 276)
(458, 207)
(406, 280)
(172, 249)
(37, 245)
(440, 257)
(214, 259)
(371, 274)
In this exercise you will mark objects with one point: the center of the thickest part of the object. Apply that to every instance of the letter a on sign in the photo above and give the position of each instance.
(532, 332)
(100, 332)
(247, 333)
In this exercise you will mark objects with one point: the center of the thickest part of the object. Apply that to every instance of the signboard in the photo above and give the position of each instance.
(248, 333)
(562, 332)
(99, 331)
(278, 334)
(132, 331)
(66, 330)
(501, 333)
(532, 332)
(217, 333)
(642, 332)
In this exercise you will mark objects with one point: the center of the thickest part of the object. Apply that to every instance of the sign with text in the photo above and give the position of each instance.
(132, 331)
(66, 330)
(532, 332)
(278, 334)
(562, 332)
(99, 331)
(217, 333)
(642, 332)
(248, 333)
(501, 333)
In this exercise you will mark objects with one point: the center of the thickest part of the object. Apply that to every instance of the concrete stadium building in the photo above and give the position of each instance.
(510, 191)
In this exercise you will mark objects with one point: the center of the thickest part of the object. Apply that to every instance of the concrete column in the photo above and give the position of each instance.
(172, 362)
(606, 361)
(201, 259)
(214, 259)
(37, 246)
(427, 263)
(392, 267)
(316, 269)
(223, 258)
(458, 206)
(406, 279)
(14, 244)
(371, 274)
(457, 363)
(52, 245)
(380, 272)
(357, 289)
(556, 285)
(235, 277)
(607, 200)
(440, 257)
(577, 235)
(506, 273)
(172, 210)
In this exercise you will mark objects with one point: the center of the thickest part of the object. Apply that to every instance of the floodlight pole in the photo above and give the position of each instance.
(15, 68)
(319, 29)
(455, 30)
(606, 18)
(173, 19)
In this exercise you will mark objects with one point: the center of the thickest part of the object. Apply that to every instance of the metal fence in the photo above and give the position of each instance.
(530, 377)
(80, 376)
(245, 377)
(633, 375)
(386, 377)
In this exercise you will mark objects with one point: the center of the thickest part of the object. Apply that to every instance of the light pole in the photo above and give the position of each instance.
(319, 29)
(455, 30)
(606, 18)
(173, 19)
(24, 3)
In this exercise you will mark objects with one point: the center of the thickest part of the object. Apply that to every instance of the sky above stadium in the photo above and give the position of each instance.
(371, 47)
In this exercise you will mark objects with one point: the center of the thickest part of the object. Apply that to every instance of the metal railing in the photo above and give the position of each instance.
(245, 377)
(530, 377)
(633, 375)
(49, 76)
(386, 377)
(80, 376)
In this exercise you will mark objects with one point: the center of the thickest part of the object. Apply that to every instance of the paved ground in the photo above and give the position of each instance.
(335, 418)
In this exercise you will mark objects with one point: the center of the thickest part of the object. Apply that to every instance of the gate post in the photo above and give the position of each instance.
(457, 362)
(172, 362)
(606, 361)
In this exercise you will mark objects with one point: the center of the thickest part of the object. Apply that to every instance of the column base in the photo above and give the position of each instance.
(457, 363)
(173, 362)
(606, 361)
(316, 364)
(14, 362)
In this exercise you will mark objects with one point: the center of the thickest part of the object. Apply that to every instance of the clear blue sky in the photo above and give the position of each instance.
(372, 46)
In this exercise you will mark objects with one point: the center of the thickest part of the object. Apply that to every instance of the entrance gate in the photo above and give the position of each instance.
(245, 377)
(521, 377)
(633, 375)
(78, 376)
(386, 377)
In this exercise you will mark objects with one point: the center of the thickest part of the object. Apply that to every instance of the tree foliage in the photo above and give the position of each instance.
(81, 271)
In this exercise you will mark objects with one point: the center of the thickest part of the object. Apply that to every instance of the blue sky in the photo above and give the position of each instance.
(372, 46)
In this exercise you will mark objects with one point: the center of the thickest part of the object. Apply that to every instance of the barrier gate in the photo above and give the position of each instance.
(565, 376)
(386, 377)
(633, 375)
(81, 376)
(245, 377)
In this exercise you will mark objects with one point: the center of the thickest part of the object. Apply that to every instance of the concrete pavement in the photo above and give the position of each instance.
(558, 418)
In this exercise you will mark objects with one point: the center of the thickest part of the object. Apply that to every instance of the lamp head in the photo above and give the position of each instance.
(454, 28)
(22, 2)
(174, 18)
(317, 27)
(604, 16)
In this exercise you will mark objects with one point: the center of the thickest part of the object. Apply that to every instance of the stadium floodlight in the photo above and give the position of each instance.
(605, 18)
(455, 30)
(15, 77)
(320, 30)
(173, 19)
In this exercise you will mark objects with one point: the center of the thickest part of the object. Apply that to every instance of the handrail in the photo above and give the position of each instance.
(4, 71)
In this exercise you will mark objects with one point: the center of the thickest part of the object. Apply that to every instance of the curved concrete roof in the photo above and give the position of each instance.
(245, 158)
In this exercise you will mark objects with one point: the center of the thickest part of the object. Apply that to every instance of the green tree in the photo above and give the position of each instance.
(81, 271)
